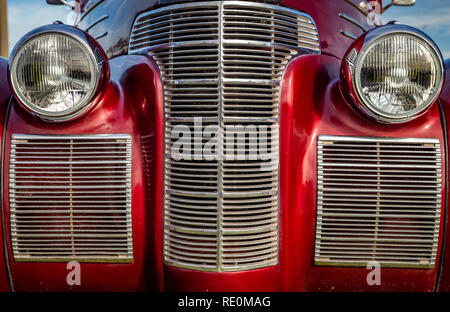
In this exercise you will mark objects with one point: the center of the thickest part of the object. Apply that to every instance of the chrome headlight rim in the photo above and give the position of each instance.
(370, 39)
(97, 62)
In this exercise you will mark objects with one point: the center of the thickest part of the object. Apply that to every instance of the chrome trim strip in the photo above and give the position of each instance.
(97, 37)
(349, 35)
(69, 136)
(378, 139)
(353, 21)
(220, 215)
(100, 19)
(89, 8)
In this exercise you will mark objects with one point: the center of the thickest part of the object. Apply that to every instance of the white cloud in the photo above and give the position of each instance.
(25, 17)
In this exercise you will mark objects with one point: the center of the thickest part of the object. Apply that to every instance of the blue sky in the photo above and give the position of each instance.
(431, 16)
(25, 15)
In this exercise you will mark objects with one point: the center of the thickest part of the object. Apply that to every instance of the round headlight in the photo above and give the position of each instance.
(397, 73)
(56, 72)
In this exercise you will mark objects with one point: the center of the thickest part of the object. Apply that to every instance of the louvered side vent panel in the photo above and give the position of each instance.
(379, 199)
(221, 64)
(70, 198)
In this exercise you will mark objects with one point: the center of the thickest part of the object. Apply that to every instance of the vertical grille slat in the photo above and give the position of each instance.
(70, 198)
(379, 199)
(222, 61)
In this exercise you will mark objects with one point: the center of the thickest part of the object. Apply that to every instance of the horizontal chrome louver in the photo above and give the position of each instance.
(379, 199)
(70, 198)
(221, 62)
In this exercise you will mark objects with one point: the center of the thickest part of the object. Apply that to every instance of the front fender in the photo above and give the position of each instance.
(129, 105)
(444, 278)
(313, 104)
(5, 96)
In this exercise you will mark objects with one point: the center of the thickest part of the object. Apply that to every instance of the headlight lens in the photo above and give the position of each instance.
(397, 76)
(56, 75)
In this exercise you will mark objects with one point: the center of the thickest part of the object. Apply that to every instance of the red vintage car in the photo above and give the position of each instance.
(272, 145)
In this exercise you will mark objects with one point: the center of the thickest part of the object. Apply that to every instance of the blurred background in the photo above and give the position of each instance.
(25, 15)
(431, 16)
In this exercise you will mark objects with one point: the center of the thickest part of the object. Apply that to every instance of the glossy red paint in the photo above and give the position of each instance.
(313, 105)
(324, 12)
(130, 105)
(444, 281)
(182, 280)
(5, 96)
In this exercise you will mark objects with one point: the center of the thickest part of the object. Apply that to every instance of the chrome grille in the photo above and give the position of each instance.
(221, 63)
(70, 197)
(379, 199)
